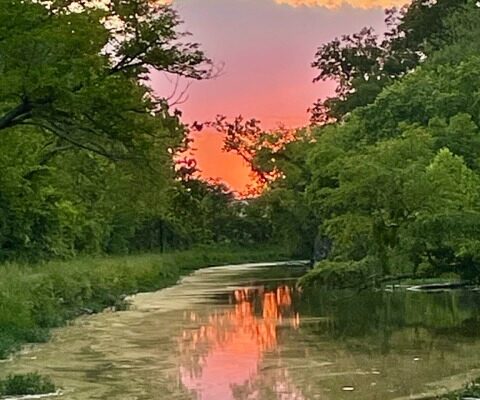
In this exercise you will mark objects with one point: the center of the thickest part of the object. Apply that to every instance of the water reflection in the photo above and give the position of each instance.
(221, 358)
(378, 314)
(281, 344)
(203, 339)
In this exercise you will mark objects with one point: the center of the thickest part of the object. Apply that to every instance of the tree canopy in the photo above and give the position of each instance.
(362, 64)
(387, 183)
(89, 153)
(78, 72)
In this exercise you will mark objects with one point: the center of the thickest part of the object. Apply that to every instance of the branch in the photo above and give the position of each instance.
(45, 159)
(57, 132)
(16, 115)
(175, 99)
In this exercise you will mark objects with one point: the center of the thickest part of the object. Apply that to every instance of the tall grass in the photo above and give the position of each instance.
(34, 299)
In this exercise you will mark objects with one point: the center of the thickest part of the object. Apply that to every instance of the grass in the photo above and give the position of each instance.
(35, 299)
(27, 384)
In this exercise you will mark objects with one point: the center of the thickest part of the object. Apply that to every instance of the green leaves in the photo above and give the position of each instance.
(362, 65)
(78, 73)
(398, 180)
(87, 149)
(26, 384)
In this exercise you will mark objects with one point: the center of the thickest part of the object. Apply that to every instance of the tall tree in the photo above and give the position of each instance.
(362, 64)
(74, 97)
(79, 72)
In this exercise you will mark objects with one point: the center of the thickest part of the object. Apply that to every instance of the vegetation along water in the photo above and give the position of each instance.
(99, 199)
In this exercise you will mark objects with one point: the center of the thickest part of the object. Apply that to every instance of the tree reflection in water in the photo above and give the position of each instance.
(221, 357)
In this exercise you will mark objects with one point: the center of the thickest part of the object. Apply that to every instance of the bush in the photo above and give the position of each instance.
(471, 391)
(28, 384)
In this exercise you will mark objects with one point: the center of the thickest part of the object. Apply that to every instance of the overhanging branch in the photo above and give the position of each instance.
(16, 115)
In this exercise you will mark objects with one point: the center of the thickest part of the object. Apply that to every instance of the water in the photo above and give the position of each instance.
(246, 332)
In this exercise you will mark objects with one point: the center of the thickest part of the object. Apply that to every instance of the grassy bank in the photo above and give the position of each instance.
(34, 299)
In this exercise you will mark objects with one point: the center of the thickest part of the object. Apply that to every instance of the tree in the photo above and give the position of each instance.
(357, 64)
(395, 184)
(362, 65)
(87, 149)
(79, 72)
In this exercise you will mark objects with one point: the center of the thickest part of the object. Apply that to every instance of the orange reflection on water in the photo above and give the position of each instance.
(225, 351)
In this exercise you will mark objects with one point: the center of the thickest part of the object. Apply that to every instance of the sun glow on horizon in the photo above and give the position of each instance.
(267, 47)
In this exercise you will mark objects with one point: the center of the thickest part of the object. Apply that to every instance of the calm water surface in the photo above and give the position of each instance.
(245, 332)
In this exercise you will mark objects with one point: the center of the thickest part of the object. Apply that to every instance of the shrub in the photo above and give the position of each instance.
(27, 384)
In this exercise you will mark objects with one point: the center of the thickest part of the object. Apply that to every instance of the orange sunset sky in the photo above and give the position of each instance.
(266, 47)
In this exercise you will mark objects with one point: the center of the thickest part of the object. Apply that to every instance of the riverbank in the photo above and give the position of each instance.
(35, 299)
(470, 391)
(359, 275)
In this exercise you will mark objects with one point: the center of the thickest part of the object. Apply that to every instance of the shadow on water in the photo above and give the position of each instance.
(377, 314)
(238, 333)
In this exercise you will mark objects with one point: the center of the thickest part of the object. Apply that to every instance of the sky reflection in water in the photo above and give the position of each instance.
(221, 358)
(242, 333)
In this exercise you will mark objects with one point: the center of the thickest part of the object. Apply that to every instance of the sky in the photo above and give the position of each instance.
(265, 48)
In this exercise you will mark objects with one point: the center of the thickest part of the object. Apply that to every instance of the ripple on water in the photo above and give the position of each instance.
(246, 333)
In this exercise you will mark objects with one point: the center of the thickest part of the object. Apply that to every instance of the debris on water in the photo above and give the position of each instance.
(348, 388)
(438, 287)
(416, 359)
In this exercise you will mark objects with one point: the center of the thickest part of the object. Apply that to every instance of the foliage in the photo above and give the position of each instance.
(362, 65)
(471, 390)
(89, 152)
(28, 384)
(77, 72)
(394, 183)
(81, 129)
(334, 275)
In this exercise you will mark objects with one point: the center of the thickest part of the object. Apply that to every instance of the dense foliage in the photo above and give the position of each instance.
(89, 154)
(397, 183)
(390, 185)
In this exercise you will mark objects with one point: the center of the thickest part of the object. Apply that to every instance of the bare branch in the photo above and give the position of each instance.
(175, 98)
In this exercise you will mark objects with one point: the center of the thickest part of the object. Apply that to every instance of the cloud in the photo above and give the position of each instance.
(332, 4)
